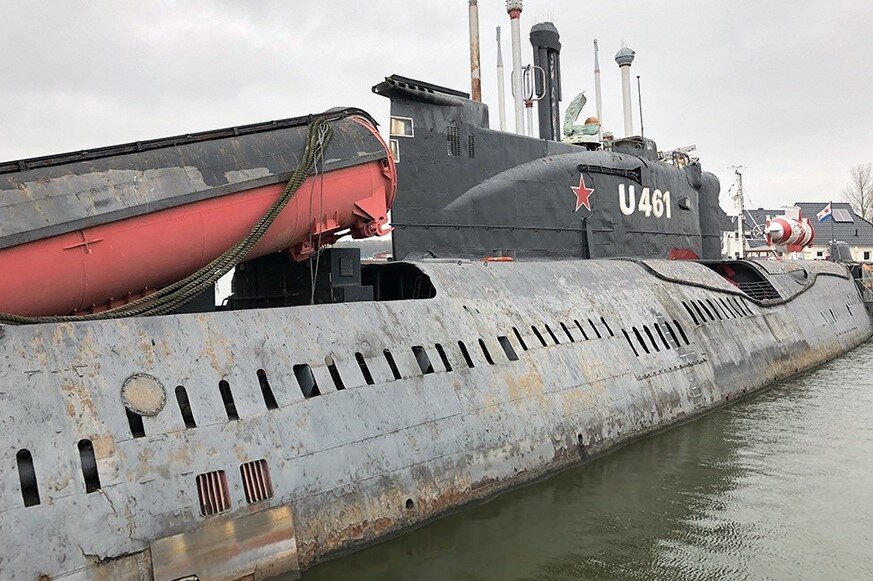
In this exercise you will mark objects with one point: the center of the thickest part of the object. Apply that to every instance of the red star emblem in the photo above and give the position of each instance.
(582, 194)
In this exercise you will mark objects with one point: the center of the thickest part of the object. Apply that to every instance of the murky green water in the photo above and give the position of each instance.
(777, 486)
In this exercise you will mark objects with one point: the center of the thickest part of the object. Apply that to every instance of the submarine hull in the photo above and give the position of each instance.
(508, 372)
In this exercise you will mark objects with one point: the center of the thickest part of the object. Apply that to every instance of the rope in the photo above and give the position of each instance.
(171, 297)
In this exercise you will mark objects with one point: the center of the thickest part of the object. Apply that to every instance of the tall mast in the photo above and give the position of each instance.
(475, 69)
(501, 91)
(624, 58)
(597, 89)
(513, 7)
(739, 198)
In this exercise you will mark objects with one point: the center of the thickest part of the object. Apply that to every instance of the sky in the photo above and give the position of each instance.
(781, 87)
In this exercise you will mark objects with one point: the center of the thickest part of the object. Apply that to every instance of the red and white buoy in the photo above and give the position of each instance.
(791, 231)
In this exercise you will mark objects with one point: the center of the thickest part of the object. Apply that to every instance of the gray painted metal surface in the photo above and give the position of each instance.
(43, 197)
(466, 190)
(602, 351)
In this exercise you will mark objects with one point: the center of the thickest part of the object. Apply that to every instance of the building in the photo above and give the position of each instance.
(847, 226)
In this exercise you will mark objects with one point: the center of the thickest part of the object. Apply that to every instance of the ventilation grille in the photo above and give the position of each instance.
(256, 481)
(471, 146)
(453, 141)
(214, 492)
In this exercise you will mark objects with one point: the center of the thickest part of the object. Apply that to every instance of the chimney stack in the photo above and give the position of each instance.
(546, 43)
(624, 58)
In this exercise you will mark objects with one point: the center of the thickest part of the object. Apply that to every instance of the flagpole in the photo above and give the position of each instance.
(833, 236)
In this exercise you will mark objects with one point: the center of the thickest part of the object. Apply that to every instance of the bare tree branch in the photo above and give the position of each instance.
(859, 192)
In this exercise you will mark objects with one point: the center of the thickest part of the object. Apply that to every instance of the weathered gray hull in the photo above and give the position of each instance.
(349, 467)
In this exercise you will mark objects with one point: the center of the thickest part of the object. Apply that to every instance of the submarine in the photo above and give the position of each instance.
(547, 302)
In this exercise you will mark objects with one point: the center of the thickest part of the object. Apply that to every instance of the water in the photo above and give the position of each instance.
(777, 486)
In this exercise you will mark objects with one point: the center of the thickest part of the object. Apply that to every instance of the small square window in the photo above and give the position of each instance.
(402, 127)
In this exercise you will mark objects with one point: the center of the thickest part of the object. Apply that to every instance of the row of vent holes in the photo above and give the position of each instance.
(213, 490)
(27, 472)
(137, 429)
(453, 143)
(651, 337)
(731, 306)
(567, 332)
(309, 386)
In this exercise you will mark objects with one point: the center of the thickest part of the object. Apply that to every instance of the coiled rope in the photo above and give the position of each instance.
(171, 297)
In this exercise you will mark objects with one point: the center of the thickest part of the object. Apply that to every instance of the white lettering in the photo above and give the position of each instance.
(627, 204)
(657, 204)
(645, 204)
(650, 203)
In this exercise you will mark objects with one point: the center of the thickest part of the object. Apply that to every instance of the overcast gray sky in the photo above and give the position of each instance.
(782, 87)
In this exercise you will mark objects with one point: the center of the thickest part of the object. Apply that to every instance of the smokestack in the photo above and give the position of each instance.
(513, 7)
(501, 91)
(597, 89)
(624, 58)
(546, 43)
(475, 70)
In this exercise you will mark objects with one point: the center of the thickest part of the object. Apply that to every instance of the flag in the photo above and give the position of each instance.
(825, 214)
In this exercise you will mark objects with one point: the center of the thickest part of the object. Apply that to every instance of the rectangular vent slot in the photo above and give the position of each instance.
(423, 360)
(453, 141)
(507, 348)
(471, 146)
(256, 481)
(306, 380)
(214, 493)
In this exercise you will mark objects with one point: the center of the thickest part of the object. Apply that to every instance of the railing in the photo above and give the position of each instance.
(759, 290)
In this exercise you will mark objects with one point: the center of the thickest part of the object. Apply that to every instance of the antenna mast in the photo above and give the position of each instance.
(739, 199)
(501, 91)
(597, 90)
(640, 99)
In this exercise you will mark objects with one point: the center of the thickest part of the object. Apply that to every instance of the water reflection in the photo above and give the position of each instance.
(777, 486)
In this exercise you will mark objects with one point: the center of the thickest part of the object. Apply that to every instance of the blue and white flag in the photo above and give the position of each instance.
(825, 213)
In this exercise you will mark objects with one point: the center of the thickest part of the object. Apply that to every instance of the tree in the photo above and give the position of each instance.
(859, 192)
